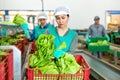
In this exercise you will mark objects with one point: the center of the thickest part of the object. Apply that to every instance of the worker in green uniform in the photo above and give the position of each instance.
(96, 30)
(41, 28)
(63, 33)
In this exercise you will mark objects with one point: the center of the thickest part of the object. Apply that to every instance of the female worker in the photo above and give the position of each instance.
(41, 28)
(63, 33)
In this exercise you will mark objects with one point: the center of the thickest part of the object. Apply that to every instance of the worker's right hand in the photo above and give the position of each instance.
(88, 39)
(24, 26)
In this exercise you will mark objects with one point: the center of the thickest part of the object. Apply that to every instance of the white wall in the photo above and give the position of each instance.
(82, 11)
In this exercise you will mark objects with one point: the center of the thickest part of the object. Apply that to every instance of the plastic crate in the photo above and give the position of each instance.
(3, 67)
(113, 51)
(9, 62)
(80, 60)
(10, 66)
(95, 39)
(33, 47)
(99, 48)
(20, 47)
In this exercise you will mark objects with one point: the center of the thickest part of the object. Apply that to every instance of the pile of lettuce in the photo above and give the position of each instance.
(100, 43)
(67, 64)
(9, 40)
(43, 61)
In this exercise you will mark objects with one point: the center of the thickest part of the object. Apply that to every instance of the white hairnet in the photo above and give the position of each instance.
(42, 15)
(61, 10)
(96, 17)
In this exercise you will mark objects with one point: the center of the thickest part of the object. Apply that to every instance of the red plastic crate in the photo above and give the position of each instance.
(33, 47)
(10, 66)
(86, 68)
(20, 41)
(80, 60)
(9, 62)
(20, 45)
(3, 67)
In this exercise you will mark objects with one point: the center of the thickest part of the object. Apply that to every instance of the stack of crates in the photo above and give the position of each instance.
(6, 66)
(99, 48)
(3, 67)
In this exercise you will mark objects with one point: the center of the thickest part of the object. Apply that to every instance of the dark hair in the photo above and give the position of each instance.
(68, 15)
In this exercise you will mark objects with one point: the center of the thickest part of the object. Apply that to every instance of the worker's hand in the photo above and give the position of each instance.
(58, 53)
(108, 38)
(24, 26)
(87, 39)
(25, 29)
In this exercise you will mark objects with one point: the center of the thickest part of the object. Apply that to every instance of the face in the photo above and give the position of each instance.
(62, 20)
(97, 21)
(42, 21)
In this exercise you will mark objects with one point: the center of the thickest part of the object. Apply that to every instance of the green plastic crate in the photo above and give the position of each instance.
(116, 34)
(113, 51)
(98, 48)
(118, 54)
(95, 39)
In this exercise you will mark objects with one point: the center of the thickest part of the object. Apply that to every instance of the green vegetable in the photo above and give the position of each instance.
(105, 42)
(99, 43)
(18, 19)
(49, 68)
(93, 44)
(67, 64)
(41, 58)
(9, 40)
(45, 44)
(3, 53)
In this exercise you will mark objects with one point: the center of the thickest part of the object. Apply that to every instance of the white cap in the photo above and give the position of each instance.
(61, 10)
(42, 15)
(96, 17)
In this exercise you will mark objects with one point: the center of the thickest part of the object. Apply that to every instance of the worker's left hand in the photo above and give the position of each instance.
(58, 53)
(88, 39)
(25, 29)
(108, 38)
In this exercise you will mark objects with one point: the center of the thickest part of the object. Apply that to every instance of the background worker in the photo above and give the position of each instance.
(96, 30)
(63, 33)
(42, 27)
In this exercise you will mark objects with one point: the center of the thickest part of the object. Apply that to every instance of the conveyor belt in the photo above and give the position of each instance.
(108, 72)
